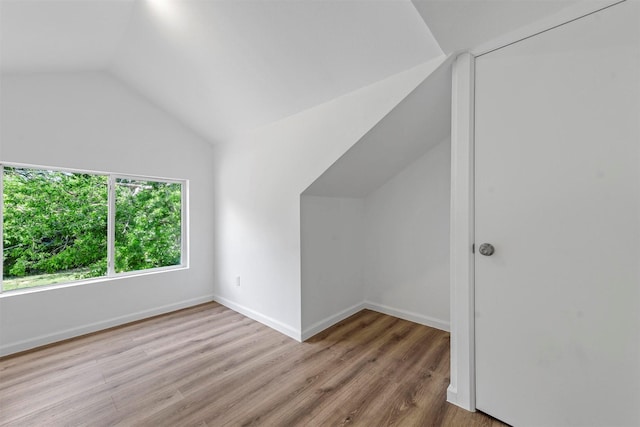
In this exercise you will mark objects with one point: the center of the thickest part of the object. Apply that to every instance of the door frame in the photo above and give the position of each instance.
(462, 388)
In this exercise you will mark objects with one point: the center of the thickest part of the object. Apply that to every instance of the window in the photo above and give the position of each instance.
(60, 226)
(148, 224)
(54, 227)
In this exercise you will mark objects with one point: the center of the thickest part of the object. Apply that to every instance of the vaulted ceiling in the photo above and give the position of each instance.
(460, 25)
(227, 66)
(236, 65)
(61, 35)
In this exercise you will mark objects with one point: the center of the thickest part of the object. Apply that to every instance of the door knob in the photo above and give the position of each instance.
(486, 249)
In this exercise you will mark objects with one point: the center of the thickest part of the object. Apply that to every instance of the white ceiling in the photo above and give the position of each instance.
(415, 125)
(460, 25)
(61, 35)
(226, 66)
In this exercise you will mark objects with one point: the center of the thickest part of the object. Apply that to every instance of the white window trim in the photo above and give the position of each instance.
(111, 200)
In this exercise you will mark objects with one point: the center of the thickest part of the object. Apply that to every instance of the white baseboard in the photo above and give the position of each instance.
(380, 308)
(15, 347)
(259, 317)
(331, 320)
(452, 395)
(408, 315)
(287, 330)
(454, 399)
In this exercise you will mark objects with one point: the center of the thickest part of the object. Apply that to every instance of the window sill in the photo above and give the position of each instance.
(118, 276)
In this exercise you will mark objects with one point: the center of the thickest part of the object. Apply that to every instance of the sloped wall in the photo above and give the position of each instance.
(91, 121)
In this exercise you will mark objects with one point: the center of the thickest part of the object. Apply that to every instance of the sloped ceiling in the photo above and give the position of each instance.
(460, 25)
(220, 66)
(226, 66)
(61, 35)
(415, 125)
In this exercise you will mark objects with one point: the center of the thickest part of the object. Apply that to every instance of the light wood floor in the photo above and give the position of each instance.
(209, 366)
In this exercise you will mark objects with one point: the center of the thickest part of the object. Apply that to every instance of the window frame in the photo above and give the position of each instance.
(111, 226)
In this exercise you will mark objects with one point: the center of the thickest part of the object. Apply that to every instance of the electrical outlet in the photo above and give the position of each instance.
(237, 280)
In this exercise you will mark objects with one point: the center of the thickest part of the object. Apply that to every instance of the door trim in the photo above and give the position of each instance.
(564, 16)
(461, 390)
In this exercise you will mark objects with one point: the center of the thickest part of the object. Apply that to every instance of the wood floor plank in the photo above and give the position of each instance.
(352, 373)
(298, 385)
(209, 366)
(359, 396)
(43, 401)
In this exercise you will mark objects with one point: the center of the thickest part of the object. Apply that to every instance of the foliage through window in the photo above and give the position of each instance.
(148, 224)
(56, 226)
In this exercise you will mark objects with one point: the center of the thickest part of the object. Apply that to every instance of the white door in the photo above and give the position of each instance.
(557, 187)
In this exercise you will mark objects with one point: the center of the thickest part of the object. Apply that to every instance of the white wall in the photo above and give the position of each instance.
(260, 177)
(399, 171)
(406, 263)
(388, 251)
(332, 258)
(91, 121)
